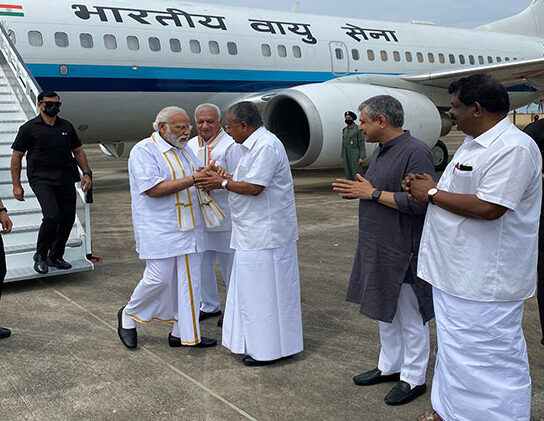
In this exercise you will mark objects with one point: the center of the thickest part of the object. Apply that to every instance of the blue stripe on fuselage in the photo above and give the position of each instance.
(97, 78)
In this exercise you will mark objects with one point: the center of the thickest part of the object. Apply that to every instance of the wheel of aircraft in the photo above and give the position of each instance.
(440, 156)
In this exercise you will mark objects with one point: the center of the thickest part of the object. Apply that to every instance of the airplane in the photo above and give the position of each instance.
(116, 63)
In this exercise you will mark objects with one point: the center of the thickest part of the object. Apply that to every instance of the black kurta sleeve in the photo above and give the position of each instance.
(23, 139)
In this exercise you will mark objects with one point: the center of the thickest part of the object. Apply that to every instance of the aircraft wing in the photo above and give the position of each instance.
(512, 73)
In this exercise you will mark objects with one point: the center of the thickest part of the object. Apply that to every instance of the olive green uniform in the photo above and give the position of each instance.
(353, 148)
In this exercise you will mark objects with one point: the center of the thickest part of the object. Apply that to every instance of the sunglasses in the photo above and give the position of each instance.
(51, 103)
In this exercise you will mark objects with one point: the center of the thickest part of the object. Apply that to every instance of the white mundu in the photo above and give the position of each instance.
(262, 315)
(169, 233)
(481, 272)
(222, 149)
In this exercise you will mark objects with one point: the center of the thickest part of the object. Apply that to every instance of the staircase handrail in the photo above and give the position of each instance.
(29, 85)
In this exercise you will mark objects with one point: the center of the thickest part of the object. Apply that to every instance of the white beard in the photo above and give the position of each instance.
(179, 142)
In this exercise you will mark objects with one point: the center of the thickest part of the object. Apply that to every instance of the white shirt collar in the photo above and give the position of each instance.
(162, 144)
(488, 137)
(251, 140)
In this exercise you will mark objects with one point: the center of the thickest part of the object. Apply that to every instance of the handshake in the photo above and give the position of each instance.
(210, 177)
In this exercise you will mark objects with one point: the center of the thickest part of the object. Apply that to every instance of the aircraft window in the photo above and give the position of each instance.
(489, 59)
(383, 55)
(195, 46)
(480, 59)
(133, 43)
(175, 45)
(499, 59)
(266, 50)
(507, 58)
(461, 59)
(441, 58)
(355, 54)
(419, 57)
(86, 40)
(430, 56)
(396, 55)
(452, 59)
(35, 38)
(282, 51)
(370, 55)
(61, 39)
(154, 44)
(339, 53)
(110, 42)
(232, 48)
(214, 47)
(297, 52)
(471, 59)
(408, 55)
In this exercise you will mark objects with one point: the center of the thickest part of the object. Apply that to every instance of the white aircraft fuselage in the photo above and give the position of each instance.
(115, 64)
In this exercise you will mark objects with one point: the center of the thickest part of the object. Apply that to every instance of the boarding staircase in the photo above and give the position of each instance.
(18, 94)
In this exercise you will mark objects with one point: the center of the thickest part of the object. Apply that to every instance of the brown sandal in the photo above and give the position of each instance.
(430, 415)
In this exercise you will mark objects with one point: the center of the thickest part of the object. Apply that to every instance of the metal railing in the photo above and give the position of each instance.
(27, 89)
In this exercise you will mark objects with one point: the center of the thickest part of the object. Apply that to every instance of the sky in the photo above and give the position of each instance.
(459, 13)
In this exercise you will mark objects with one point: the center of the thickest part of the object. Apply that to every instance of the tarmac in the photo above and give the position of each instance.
(64, 360)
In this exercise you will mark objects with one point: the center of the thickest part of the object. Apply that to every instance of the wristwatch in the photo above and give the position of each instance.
(224, 183)
(87, 173)
(376, 195)
(431, 193)
(4, 210)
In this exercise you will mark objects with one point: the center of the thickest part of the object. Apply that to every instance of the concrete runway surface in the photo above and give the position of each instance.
(64, 360)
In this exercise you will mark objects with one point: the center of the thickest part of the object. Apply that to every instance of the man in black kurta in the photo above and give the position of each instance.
(383, 279)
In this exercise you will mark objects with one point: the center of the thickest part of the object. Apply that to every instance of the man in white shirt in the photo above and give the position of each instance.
(214, 144)
(262, 313)
(479, 251)
(169, 216)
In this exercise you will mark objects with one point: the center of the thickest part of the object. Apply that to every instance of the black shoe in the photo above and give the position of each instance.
(252, 362)
(40, 264)
(205, 315)
(402, 393)
(4, 332)
(220, 322)
(58, 263)
(374, 376)
(129, 337)
(542, 341)
(204, 342)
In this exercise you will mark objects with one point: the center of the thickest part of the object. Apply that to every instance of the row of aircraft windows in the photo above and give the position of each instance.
(431, 58)
(86, 40)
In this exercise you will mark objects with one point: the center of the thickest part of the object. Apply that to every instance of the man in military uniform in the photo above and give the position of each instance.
(353, 147)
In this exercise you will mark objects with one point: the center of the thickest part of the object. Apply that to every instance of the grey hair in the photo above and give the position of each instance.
(246, 111)
(208, 105)
(165, 114)
(384, 105)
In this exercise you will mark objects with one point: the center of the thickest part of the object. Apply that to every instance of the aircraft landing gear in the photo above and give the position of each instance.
(440, 156)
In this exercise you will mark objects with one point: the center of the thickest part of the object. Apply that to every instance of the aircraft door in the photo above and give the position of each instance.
(339, 58)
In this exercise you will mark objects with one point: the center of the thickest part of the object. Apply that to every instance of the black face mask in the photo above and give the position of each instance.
(349, 122)
(51, 110)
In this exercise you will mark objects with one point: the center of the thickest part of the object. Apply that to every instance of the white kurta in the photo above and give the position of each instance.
(262, 315)
(170, 288)
(217, 245)
(481, 272)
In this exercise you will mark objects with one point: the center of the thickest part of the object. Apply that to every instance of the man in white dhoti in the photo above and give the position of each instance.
(169, 216)
(214, 144)
(479, 251)
(262, 313)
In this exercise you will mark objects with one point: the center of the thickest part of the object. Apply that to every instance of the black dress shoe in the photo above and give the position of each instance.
(402, 393)
(4, 332)
(220, 322)
(374, 376)
(204, 342)
(129, 337)
(252, 362)
(205, 315)
(59, 263)
(40, 264)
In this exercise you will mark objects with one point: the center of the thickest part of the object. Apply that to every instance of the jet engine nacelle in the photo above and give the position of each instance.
(308, 119)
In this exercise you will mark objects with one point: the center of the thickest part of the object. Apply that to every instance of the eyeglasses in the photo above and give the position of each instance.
(182, 127)
(50, 103)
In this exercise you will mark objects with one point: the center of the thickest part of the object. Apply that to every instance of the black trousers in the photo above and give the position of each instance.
(540, 270)
(58, 203)
(3, 269)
